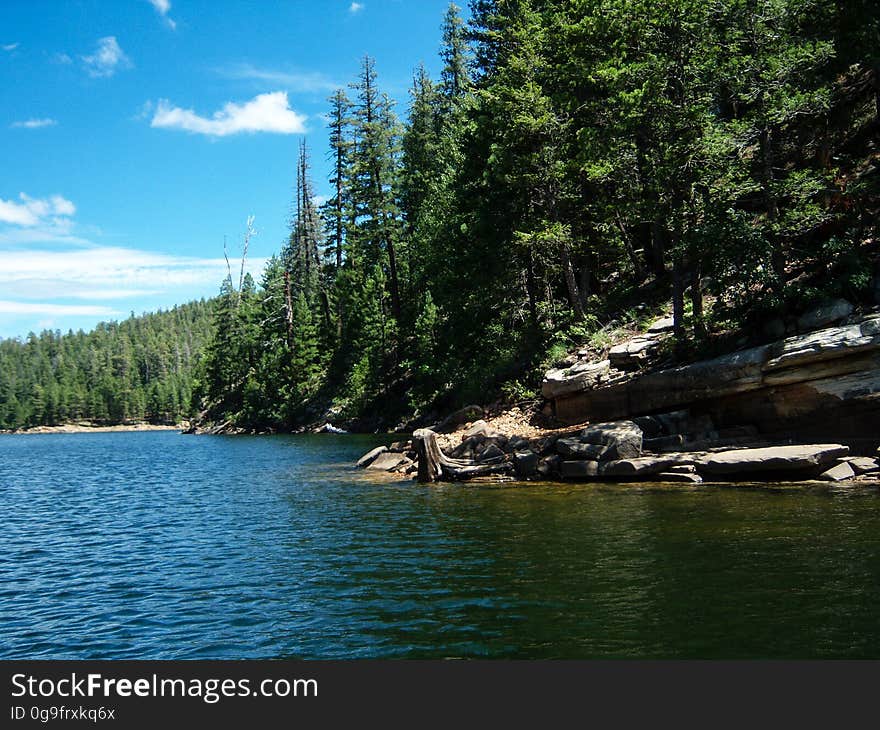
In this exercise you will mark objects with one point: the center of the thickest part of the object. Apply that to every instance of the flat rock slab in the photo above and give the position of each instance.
(774, 458)
(387, 461)
(581, 376)
(371, 456)
(838, 473)
(643, 466)
(863, 464)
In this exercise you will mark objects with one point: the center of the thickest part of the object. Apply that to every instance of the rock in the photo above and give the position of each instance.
(481, 429)
(329, 428)
(370, 456)
(807, 388)
(518, 443)
(631, 354)
(651, 427)
(387, 461)
(771, 459)
(459, 418)
(491, 454)
(682, 469)
(838, 473)
(400, 447)
(405, 466)
(579, 469)
(525, 463)
(623, 439)
(643, 466)
(676, 476)
(664, 443)
(549, 465)
(863, 464)
(581, 376)
(575, 449)
(823, 316)
(665, 324)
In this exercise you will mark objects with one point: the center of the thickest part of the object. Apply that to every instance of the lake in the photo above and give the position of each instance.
(159, 546)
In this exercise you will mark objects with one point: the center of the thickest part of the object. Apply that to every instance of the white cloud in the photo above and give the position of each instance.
(264, 113)
(35, 123)
(62, 58)
(296, 81)
(163, 7)
(9, 47)
(108, 273)
(9, 307)
(36, 211)
(355, 8)
(107, 59)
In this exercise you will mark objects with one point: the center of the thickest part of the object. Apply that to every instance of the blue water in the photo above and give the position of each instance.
(157, 545)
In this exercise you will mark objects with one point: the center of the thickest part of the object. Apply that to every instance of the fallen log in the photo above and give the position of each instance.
(435, 466)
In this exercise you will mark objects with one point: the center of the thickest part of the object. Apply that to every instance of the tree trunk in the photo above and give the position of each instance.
(531, 290)
(697, 301)
(658, 238)
(678, 301)
(435, 466)
(630, 249)
(574, 295)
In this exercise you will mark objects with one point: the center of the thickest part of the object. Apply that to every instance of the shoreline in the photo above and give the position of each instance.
(91, 428)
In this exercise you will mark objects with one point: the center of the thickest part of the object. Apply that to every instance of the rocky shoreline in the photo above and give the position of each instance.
(801, 408)
(614, 451)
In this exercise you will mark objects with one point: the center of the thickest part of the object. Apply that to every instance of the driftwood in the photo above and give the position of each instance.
(435, 466)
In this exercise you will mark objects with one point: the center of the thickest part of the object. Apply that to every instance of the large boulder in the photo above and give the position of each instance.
(580, 376)
(771, 459)
(623, 439)
(574, 448)
(823, 316)
(525, 463)
(371, 456)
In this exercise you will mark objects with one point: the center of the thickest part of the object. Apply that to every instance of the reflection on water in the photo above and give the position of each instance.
(155, 545)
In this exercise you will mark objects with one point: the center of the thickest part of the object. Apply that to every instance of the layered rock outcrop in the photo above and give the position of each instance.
(820, 385)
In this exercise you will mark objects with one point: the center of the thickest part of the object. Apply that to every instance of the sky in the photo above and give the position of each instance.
(136, 134)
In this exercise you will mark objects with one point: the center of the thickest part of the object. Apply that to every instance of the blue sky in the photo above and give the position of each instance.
(136, 134)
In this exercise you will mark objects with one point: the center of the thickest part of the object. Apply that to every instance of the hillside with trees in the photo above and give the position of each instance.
(140, 369)
(575, 164)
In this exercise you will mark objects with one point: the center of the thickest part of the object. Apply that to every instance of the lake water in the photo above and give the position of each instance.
(157, 545)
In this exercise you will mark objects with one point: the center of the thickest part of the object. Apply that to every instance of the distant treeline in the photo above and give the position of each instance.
(575, 158)
(140, 369)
